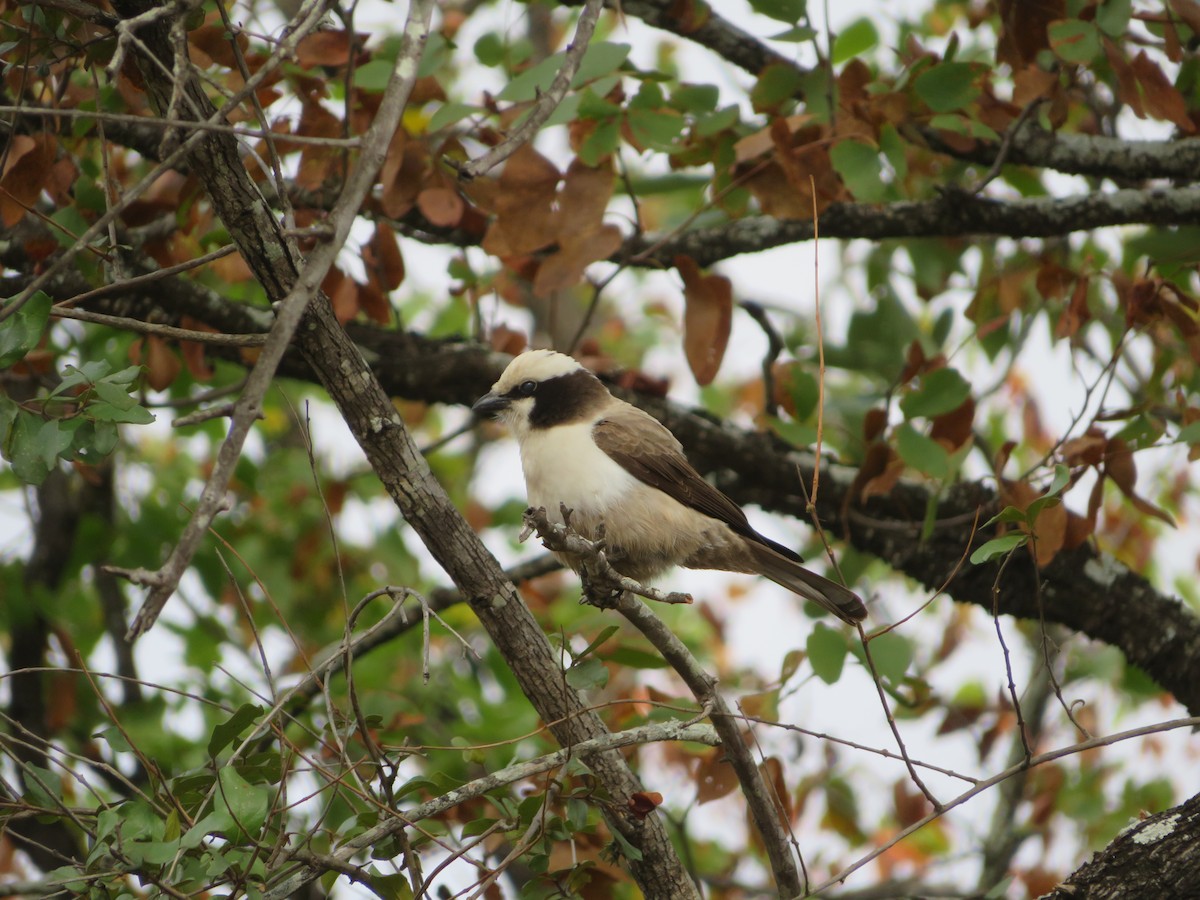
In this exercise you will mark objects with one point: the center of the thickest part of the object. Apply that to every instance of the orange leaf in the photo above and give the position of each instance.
(328, 48)
(1076, 315)
(564, 268)
(441, 206)
(714, 776)
(642, 803)
(954, 428)
(583, 199)
(213, 41)
(1163, 101)
(525, 217)
(1024, 29)
(707, 319)
(162, 365)
(383, 260)
(26, 170)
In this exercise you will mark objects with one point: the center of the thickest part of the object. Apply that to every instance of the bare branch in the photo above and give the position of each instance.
(547, 103)
(645, 734)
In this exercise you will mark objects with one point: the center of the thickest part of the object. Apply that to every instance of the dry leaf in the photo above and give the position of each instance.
(162, 365)
(707, 319)
(329, 48)
(524, 205)
(714, 776)
(383, 260)
(441, 206)
(1163, 101)
(26, 170)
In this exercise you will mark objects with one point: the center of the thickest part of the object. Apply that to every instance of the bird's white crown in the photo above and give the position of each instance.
(535, 365)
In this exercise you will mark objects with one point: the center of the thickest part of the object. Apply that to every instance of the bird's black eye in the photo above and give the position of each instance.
(527, 388)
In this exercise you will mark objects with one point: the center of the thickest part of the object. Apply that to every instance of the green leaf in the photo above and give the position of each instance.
(635, 659)
(588, 674)
(601, 142)
(106, 412)
(490, 49)
(603, 636)
(787, 11)
(859, 166)
(1113, 17)
(226, 732)
(86, 374)
(600, 59)
(373, 75)
(1000, 546)
(393, 886)
(717, 121)
(777, 83)
(8, 416)
(695, 98)
(114, 395)
(826, 652)
(854, 40)
(655, 129)
(1008, 515)
(21, 331)
(1075, 41)
(941, 391)
(23, 451)
(892, 653)
(246, 804)
(947, 87)
(922, 453)
(1188, 434)
(449, 113)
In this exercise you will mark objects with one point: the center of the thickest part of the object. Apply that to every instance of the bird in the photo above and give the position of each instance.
(613, 465)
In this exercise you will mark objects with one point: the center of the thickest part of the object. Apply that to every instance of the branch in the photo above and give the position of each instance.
(289, 312)
(1157, 857)
(956, 213)
(763, 808)
(644, 734)
(547, 103)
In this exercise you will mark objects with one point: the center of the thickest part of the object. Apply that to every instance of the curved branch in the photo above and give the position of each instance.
(955, 214)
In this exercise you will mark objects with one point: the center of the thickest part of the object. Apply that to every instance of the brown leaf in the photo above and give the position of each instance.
(1085, 450)
(193, 351)
(383, 260)
(1189, 12)
(26, 170)
(583, 199)
(954, 429)
(213, 41)
(1120, 467)
(525, 217)
(373, 303)
(708, 317)
(1076, 315)
(1023, 29)
(772, 773)
(1050, 527)
(1127, 85)
(441, 206)
(714, 776)
(564, 268)
(1163, 101)
(874, 422)
(342, 292)
(403, 175)
(642, 803)
(329, 48)
(162, 365)
(1034, 83)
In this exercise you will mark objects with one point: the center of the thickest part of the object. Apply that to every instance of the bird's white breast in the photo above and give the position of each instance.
(563, 465)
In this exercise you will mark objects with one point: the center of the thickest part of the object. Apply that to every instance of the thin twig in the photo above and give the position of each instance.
(560, 538)
(165, 331)
(987, 784)
(546, 103)
(665, 731)
(289, 313)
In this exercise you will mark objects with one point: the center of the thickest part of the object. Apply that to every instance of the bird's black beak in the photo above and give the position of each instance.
(490, 404)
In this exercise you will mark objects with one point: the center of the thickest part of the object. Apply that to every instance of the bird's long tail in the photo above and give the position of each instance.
(784, 568)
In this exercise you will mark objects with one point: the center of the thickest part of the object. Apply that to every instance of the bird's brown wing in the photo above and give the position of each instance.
(650, 453)
(643, 447)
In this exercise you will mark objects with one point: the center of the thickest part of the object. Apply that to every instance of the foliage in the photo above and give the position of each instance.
(1009, 388)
